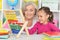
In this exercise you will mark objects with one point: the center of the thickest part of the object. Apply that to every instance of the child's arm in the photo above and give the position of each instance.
(33, 30)
(54, 28)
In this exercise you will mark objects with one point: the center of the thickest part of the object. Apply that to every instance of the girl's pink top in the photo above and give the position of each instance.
(40, 28)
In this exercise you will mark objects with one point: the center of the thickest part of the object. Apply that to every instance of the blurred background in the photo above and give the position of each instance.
(54, 5)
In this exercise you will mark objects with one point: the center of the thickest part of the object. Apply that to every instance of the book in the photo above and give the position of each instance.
(53, 34)
(4, 32)
(49, 38)
(4, 36)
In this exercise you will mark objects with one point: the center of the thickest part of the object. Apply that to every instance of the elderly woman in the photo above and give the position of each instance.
(29, 12)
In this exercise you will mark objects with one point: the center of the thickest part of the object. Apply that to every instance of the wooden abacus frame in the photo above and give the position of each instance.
(24, 26)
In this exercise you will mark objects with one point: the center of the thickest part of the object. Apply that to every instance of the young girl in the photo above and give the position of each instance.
(45, 23)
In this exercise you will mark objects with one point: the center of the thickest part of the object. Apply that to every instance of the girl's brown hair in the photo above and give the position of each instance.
(47, 11)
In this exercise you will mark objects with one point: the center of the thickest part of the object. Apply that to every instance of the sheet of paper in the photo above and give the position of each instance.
(50, 1)
(52, 6)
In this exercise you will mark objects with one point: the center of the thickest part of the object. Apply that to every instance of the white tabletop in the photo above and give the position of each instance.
(25, 37)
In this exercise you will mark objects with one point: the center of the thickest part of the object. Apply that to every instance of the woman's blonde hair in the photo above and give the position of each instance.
(29, 3)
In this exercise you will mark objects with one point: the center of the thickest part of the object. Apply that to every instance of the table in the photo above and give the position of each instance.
(25, 37)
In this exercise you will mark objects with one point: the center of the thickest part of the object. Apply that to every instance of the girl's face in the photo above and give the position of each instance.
(29, 12)
(42, 16)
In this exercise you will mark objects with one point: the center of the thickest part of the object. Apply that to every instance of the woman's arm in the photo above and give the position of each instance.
(33, 29)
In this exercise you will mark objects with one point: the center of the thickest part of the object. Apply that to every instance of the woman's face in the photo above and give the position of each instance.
(29, 12)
